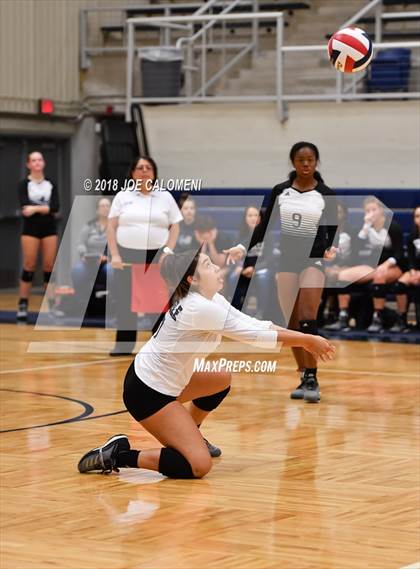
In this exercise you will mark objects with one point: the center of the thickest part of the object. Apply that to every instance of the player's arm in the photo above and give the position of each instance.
(53, 206)
(111, 233)
(173, 236)
(238, 251)
(263, 333)
(316, 345)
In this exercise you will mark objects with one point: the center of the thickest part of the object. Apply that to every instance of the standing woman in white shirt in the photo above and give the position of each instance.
(38, 198)
(142, 228)
(161, 377)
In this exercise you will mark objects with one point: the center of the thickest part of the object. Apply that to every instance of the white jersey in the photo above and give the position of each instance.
(39, 193)
(144, 219)
(300, 212)
(193, 327)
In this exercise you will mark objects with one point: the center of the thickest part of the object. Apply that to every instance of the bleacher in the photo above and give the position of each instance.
(184, 10)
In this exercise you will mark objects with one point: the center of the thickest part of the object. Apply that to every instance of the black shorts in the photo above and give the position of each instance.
(141, 400)
(39, 226)
(290, 264)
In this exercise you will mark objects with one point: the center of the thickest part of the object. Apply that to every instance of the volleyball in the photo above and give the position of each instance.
(350, 50)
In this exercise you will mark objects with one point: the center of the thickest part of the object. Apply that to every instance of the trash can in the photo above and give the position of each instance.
(160, 70)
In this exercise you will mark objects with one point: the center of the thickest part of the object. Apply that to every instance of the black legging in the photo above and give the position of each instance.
(126, 319)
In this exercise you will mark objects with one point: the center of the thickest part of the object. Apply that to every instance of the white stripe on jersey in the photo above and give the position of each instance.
(300, 212)
(194, 326)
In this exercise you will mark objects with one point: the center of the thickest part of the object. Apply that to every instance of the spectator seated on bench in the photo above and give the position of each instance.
(91, 248)
(374, 241)
(213, 242)
(261, 287)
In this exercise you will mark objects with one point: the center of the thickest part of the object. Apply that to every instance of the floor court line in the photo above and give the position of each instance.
(60, 366)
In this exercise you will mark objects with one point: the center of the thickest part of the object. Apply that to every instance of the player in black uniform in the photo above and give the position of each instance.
(410, 278)
(375, 241)
(307, 212)
(38, 198)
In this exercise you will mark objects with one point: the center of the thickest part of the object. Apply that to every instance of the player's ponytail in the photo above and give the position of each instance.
(176, 269)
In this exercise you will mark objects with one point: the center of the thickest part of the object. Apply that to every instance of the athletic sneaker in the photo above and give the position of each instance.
(376, 327)
(22, 312)
(104, 458)
(308, 390)
(298, 392)
(340, 325)
(213, 450)
(56, 313)
(311, 392)
(400, 326)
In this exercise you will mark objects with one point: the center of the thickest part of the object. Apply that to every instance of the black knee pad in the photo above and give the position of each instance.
(210, 402)
(378, 290)
(27, 276)
(173, 464)
(308, 326)
(47, 277)
(399, 288)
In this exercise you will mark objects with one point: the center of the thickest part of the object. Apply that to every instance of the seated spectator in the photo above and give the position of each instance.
(186, 238)
(91, 248)
(410, 278)
(347, 239)
(374, 241)
(262, 276)
(213, 241)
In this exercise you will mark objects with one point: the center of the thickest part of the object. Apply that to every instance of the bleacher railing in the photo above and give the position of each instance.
(345, 87)
(187, 43)
(327, 84)
(376, 6)
(90, 20)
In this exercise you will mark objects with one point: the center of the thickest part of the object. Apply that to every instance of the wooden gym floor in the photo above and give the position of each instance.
(328, 486)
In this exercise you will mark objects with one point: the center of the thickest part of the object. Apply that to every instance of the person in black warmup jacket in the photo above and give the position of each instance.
(307, 212)
(38, 199)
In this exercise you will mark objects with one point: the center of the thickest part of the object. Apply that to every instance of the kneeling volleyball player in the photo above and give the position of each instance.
(161, 377)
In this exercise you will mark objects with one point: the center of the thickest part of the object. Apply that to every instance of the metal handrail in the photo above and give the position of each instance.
(279, 97)
(189, 68)
(85, 50)
(395, 15)
(210, 24)
(379, 16)
(354, 19)
(131, 22)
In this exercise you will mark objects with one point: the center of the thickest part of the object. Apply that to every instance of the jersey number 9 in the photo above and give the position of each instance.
(297, 218)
